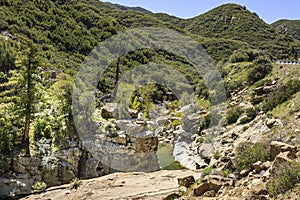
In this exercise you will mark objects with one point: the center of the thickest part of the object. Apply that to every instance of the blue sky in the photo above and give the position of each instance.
(269, 10)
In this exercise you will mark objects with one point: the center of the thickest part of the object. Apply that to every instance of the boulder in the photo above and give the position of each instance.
(186, 181)
(258, 187)
(141, 117)
(109, 110)
(202, 188)
(206, 151)
(272, 122)
(122, 124)
(278, 147)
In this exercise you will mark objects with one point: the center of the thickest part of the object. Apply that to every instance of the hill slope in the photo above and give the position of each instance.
(290, 27)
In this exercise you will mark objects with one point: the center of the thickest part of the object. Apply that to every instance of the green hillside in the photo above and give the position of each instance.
(289, 27)
(231, 21)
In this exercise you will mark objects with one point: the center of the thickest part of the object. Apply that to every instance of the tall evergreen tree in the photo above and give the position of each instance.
(28, 63)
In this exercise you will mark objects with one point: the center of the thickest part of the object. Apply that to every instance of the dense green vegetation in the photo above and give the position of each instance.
(290, 27)
(249, 153)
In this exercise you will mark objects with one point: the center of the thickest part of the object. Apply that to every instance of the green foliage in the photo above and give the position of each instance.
(206, 171)
(233, 114)
(261, 68)
(248, 153)
(290, 27)
(239, 57)
(233, 22)
(204, 122)
(5, 162)
(281, 94)
(39, 187)
(136, 104)
(42, 128)
(284, 179)
(217, 155)
(244, 56)
(175, 123)
(225, 172)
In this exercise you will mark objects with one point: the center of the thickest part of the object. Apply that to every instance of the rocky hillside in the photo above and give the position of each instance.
(233, 152)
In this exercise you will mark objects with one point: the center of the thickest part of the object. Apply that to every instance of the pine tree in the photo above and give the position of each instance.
(28, 96)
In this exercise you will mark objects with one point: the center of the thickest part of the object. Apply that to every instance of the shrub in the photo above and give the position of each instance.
(175, 123)
(260, 69)
(248, 153)
(225, 172)
(286, 178)
(281, 94)
(206, 171)
(233, 114)
(42, 128)
(39, 187)
(239, 57)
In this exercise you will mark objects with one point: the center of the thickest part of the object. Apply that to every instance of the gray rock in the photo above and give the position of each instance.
(206, 150)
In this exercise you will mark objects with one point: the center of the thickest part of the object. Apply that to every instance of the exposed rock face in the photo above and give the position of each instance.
(135, 185)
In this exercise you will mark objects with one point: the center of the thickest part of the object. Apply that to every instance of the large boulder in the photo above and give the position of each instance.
(278, 147)
(279, 161)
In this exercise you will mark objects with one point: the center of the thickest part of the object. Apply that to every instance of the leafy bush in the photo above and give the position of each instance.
(42, 128)
(39, 187)
(248, 153)
(261, 68)
(233, 114)
(239, 57)
(281, 94)
(175, 123)
(286, 178)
